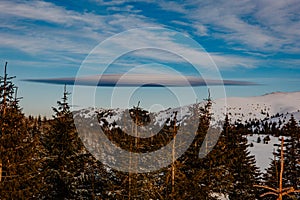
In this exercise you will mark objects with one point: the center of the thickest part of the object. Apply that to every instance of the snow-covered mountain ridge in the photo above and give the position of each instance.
(270, 107)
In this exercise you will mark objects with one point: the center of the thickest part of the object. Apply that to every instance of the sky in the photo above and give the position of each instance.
(247, 41)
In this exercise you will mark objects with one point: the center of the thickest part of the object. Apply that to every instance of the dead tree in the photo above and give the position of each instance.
(279, 192)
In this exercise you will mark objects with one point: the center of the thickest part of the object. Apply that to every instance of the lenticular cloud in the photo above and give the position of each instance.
(143, 80)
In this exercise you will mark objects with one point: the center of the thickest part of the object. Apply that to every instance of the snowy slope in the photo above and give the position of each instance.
(260, 107)
(238, 108)
(263, 152)
(158, 118)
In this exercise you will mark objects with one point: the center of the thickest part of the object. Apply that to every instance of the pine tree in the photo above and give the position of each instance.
(19, 160)
(240, 164)
(292, 156)
(65, 154)
(194, 174)
(221, 177)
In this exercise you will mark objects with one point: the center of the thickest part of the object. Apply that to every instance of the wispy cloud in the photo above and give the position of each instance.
(166, 47)
(37, 27)
(47, 30)
(257, 25)
(44, 11)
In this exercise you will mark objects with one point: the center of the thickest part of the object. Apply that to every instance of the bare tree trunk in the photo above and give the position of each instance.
(281, 170)
(279, 192)
(173, 156)
(173, 165)
(129, 170)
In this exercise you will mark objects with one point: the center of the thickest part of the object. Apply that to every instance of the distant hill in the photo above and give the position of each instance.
(269, 107)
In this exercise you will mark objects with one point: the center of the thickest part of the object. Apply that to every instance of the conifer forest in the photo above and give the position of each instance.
(44, 158)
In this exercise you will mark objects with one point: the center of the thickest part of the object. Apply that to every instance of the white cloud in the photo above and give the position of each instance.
(201, 30)
(70, 32)
(38, 10)
(172, 6)
(110, 3)
(247, 25)
(162, 46)
(257, 25)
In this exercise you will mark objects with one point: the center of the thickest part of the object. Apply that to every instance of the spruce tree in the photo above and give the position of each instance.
(20, 176)
(240, 164)
(292, 156)
(221, 177)
(194, 173)
(65, 155)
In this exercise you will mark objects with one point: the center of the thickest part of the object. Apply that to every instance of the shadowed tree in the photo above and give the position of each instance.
(20, 176)
(65, 154)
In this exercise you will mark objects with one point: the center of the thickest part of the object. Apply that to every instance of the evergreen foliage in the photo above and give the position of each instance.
(64, 158)
(20, 175)
(239, 172)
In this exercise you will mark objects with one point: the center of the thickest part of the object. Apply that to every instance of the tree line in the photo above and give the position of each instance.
(44, 158)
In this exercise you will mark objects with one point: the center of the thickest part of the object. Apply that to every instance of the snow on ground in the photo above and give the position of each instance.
(182, 114)
(114, 115)
(243, 108)
(263, 152)
(220, 196)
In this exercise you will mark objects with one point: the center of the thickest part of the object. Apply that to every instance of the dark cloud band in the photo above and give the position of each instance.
(142, 80)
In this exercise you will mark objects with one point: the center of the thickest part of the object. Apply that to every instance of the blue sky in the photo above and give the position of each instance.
(257, 41)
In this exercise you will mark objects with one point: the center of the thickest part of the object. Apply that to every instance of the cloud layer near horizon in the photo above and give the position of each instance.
(140, 80)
